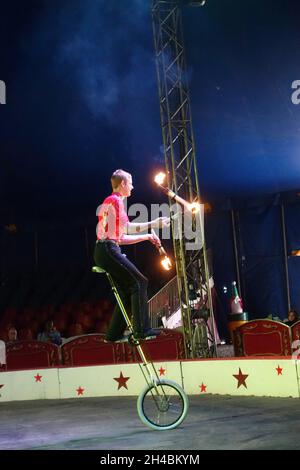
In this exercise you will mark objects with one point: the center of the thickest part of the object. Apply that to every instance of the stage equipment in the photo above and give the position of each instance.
(180, 156)
(193, 3)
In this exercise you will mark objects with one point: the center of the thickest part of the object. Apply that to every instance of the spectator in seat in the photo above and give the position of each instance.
(50, 334)
(12, 335)
(292, 318)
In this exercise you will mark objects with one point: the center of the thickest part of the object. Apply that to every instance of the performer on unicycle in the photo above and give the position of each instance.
(113, 230)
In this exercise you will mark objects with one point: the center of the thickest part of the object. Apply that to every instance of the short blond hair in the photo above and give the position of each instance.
(118, 176)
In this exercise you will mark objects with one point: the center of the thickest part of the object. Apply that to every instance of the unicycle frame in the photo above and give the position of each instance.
(155, 386)
(149, 372)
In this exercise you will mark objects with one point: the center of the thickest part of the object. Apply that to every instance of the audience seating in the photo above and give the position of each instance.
(169, 345)
(89, 350)
(31, 355)
(67, 296)
(92, 350)
(295, 331)
(80, 305)
(262, 338)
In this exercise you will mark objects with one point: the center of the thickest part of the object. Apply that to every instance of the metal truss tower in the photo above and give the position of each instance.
(180, 158)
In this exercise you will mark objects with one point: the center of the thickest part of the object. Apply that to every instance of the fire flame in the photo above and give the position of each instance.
(160, 178)
(194, 207)
(166, 263)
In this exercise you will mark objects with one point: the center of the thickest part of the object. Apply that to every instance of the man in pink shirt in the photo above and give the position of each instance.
(113, 230)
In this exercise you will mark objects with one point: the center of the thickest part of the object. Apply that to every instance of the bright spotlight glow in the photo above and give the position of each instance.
(160, 178)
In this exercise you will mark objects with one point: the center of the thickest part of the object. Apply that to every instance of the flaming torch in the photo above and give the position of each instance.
(193, 207)
(165, 261)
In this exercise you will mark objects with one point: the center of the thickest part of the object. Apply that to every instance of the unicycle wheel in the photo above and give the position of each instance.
(163, 405)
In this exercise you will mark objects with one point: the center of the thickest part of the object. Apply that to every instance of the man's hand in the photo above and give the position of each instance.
(153, 238)
(162, 222)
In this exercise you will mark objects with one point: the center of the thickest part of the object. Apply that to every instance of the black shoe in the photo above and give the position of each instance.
(123, 339)
(151, 333)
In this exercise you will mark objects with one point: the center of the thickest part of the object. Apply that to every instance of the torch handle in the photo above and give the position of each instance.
(175, 197)
(166, 260)
(160, 248)
(153, 233)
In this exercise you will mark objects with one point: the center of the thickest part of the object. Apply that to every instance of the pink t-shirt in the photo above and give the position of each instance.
(112, 218)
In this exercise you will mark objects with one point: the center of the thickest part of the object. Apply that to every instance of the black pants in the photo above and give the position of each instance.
(131, 284)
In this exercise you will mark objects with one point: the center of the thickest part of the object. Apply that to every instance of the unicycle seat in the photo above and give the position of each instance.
(98, 270)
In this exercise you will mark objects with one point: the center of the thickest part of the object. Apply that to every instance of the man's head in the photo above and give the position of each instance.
(292, 315)
(12, 334)
(49, 326)
(121, 182)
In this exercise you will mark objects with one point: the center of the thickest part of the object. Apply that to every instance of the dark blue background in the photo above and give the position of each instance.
(82, 98)
(82, 101)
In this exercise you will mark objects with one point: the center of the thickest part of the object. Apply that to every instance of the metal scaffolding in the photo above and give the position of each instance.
(181, 165)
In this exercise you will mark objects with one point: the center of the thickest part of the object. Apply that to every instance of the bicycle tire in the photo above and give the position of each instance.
(156, 398)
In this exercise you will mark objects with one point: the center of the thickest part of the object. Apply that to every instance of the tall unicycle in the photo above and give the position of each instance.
(162, 405)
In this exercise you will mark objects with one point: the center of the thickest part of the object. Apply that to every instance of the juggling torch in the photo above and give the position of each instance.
(194, 207)
(165, 261)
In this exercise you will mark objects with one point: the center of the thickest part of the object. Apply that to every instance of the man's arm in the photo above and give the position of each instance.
(131, 239)
(133, 228)
(160, 222)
